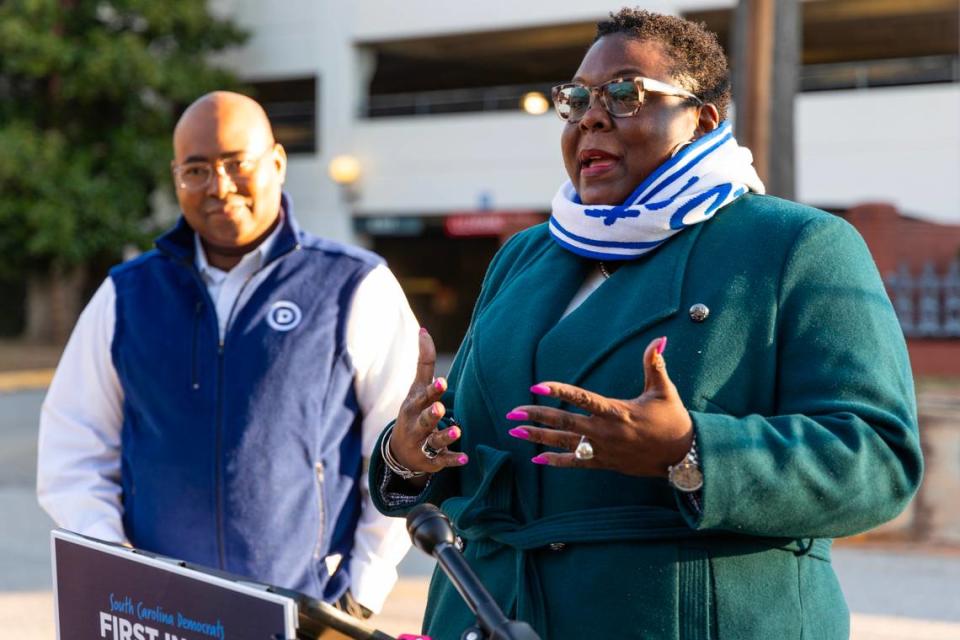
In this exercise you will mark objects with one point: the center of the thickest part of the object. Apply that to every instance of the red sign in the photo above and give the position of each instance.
(491, 223)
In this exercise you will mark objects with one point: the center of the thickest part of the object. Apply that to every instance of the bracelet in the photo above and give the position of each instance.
(391, 462)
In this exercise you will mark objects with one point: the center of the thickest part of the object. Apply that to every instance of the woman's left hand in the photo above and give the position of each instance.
(639, 437)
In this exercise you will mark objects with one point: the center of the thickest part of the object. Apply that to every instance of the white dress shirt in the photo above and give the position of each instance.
(78, 469)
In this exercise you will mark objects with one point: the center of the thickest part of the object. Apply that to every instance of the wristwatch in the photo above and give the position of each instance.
(686, 475)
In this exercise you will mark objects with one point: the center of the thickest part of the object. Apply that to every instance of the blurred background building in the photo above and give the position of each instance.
(436, 124)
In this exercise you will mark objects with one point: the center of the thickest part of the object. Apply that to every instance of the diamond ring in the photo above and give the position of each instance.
(584, 450)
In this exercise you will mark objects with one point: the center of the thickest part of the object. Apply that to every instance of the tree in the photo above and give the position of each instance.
(89, 90)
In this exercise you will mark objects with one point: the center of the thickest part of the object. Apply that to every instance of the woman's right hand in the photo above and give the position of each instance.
(419, 415)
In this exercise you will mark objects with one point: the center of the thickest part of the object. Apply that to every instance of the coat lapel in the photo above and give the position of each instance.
(505, 339)
(507, 332)
(520, 338)
(637, 296)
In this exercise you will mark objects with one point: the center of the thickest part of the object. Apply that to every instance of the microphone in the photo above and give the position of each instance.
(431, 532)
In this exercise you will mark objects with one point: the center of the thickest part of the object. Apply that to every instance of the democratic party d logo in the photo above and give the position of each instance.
(284, 315)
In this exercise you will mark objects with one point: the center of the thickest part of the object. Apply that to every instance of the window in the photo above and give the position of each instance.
(479, 71)
(291, 106)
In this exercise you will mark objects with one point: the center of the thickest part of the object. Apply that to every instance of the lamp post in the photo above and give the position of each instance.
(345, 170)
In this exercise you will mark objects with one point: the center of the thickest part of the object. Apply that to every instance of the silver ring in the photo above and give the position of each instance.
(584, 450)
(429, 452)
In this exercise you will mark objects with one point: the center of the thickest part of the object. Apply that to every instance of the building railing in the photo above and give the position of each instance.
(499, 98)
(821, 77)
(880, 73)
(928, 304)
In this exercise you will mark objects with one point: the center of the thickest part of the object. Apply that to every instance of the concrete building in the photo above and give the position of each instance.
(425, 97)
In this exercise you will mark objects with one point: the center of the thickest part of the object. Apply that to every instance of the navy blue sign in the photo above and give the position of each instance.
(113, 593)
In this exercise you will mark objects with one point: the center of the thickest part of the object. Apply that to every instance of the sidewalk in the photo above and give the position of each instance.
(26, 366)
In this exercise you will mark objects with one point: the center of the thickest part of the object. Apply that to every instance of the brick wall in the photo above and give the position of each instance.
(894, 240)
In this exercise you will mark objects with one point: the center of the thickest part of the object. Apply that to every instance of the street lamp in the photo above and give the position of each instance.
(345, 171)
(534, 103)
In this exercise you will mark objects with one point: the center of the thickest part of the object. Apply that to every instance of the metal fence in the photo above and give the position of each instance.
(927, 304)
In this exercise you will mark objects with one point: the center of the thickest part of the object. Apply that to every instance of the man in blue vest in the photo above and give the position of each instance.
(220, 395)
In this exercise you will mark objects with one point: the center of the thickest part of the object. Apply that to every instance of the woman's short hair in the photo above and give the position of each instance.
(700, 65)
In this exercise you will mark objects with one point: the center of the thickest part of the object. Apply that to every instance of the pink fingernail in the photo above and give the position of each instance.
(518, 415)
(453, 433)
(463, 459)
(438, 384)
(519, 432)
(437, 410)
(540, 389)
(662, 345)
(423, 331)
(539, 460)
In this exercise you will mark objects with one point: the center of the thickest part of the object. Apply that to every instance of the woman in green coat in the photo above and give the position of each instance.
(600, 495)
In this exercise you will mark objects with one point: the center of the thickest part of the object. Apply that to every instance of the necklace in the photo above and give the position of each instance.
(604, 270)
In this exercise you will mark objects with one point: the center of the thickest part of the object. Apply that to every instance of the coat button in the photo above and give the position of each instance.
(557, 546)
(699, 312)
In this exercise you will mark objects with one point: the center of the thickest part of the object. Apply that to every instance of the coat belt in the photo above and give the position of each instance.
(503, 542)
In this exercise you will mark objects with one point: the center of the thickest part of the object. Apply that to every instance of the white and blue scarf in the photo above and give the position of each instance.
(690, 187)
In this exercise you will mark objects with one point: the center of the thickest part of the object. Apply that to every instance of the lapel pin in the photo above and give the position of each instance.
(699, 312)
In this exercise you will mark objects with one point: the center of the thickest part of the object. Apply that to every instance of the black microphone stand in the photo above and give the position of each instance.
(432, 533)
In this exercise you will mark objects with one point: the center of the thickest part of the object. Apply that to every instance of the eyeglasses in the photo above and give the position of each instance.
(621, 97)
(196, 176)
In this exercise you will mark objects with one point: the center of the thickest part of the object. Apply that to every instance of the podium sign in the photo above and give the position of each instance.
(109, 592)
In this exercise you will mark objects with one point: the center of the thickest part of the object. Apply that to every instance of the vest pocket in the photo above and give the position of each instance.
(321, 511)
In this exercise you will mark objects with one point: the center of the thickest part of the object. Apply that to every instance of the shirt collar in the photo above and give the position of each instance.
(256, 256)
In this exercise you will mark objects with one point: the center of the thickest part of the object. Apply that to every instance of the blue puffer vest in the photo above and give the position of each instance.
(243, 456)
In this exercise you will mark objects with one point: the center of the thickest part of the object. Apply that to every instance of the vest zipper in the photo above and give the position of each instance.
(221, 344)
(218, 447)
(217, 410)
(218, 453)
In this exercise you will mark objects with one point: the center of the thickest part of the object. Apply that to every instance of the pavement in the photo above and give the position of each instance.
(895, 592)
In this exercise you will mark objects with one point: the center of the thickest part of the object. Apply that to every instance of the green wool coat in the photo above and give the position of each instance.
(801, 396)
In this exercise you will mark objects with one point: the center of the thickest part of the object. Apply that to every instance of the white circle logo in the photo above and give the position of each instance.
(284, 316)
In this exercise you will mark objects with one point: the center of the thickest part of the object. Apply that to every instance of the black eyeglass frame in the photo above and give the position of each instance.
(644, 85)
